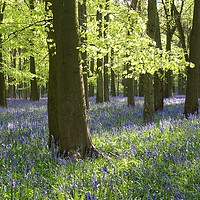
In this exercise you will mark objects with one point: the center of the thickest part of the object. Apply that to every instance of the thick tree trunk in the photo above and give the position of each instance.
(54, 135)
(3, 100)
(191, 102)
(73, 129)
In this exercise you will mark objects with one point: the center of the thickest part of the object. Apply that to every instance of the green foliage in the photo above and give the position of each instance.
(24, 30)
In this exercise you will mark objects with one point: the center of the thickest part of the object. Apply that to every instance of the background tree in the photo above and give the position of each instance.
(99, 70)
(191, 102)
(3, 101)
(82, 15)
(34, 96)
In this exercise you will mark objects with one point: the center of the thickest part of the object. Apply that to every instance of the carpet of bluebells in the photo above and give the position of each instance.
(159, 160)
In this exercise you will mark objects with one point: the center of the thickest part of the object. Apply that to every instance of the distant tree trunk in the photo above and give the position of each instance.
(181, 78)
(54, 135)
(3, 100)
(82, 14)
(168, 85)
(11, 87)
(169, 74)
(34, 96)
(91, 85)
(100, 84)
(106, 75)
(141, 85)
(113, 88)
(149, 106)
(130, 80)
(73, 129)
(191, 102)
(131, 100)
(118, 84)
(154, 25)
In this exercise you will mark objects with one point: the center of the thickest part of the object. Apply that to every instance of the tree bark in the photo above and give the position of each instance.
(54, 135)
(168, 91)
(91, 85)
(82, 14)
(100, 84)
(191, 102)
(3, 100)
(34, 96)
(113, 88)
(106, 75)
(73, 129)
(149, 108)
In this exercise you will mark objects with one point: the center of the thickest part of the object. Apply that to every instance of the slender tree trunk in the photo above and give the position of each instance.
(34, 96)
(91, 85)
(181, 78)
(73, 129)
(3, 100)
(158, 82)
(169, 74)
(106, 75)
(82, 14)
(54, 135)
(100, 84)
(149, 106)
(11, 87)
(141, 85)
(113, 88)
(191, 102)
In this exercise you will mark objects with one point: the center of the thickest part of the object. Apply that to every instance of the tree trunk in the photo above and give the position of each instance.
(100, 84)
(3, 100)
(191, 102)
(34, 96)
(154, 33)
(113, 88)
(73, 129)
(141, 85)
(82, 14)
(54, 135)
(181, 78)
(91, 85)
(168, 92)
(106, 76)
(149, 108)
(149, 105)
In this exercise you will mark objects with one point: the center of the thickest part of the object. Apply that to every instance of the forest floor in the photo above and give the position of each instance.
(158, 160)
